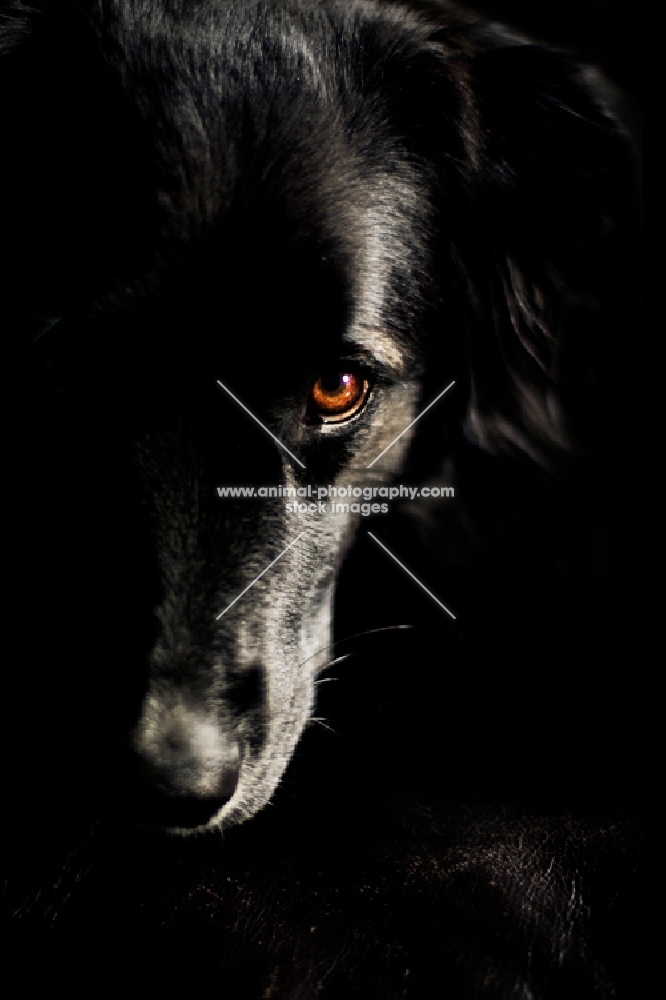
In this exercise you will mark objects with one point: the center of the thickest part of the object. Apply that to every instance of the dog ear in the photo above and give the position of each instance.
(542, 252)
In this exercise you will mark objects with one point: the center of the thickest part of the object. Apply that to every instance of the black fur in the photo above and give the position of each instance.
(259, 193)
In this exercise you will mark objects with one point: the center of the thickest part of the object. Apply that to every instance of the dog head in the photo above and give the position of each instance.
(266, 234)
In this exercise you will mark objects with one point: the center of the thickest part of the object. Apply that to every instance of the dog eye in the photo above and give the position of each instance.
(338, 395)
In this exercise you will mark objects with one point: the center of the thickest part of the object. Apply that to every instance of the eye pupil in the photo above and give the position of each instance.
(333, 383)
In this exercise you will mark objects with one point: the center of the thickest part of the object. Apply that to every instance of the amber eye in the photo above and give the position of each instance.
(338, 395)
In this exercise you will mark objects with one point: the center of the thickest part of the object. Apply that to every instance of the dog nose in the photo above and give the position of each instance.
(188, 770)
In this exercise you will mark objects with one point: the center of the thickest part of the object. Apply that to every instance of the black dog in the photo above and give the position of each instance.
(334, 210)
(246, 245)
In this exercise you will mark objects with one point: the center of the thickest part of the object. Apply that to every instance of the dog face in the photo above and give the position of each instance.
(288, 224)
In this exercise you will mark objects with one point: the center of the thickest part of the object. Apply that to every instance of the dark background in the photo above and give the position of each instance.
(607, 32)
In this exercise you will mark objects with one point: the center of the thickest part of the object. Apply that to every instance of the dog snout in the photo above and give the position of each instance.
(188, 768)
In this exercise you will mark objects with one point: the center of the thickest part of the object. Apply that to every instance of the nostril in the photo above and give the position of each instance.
(185, 773)
(189, 776)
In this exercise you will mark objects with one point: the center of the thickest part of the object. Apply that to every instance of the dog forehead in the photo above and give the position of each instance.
(229, 91)
(269, 155)
(244, 110)
(243, 67)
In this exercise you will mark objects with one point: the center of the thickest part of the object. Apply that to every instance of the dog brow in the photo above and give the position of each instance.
(379, 342)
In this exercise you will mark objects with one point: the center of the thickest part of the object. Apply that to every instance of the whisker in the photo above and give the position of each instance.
(371, 631)
(329, 663)
(348, 638)
(323, 723)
